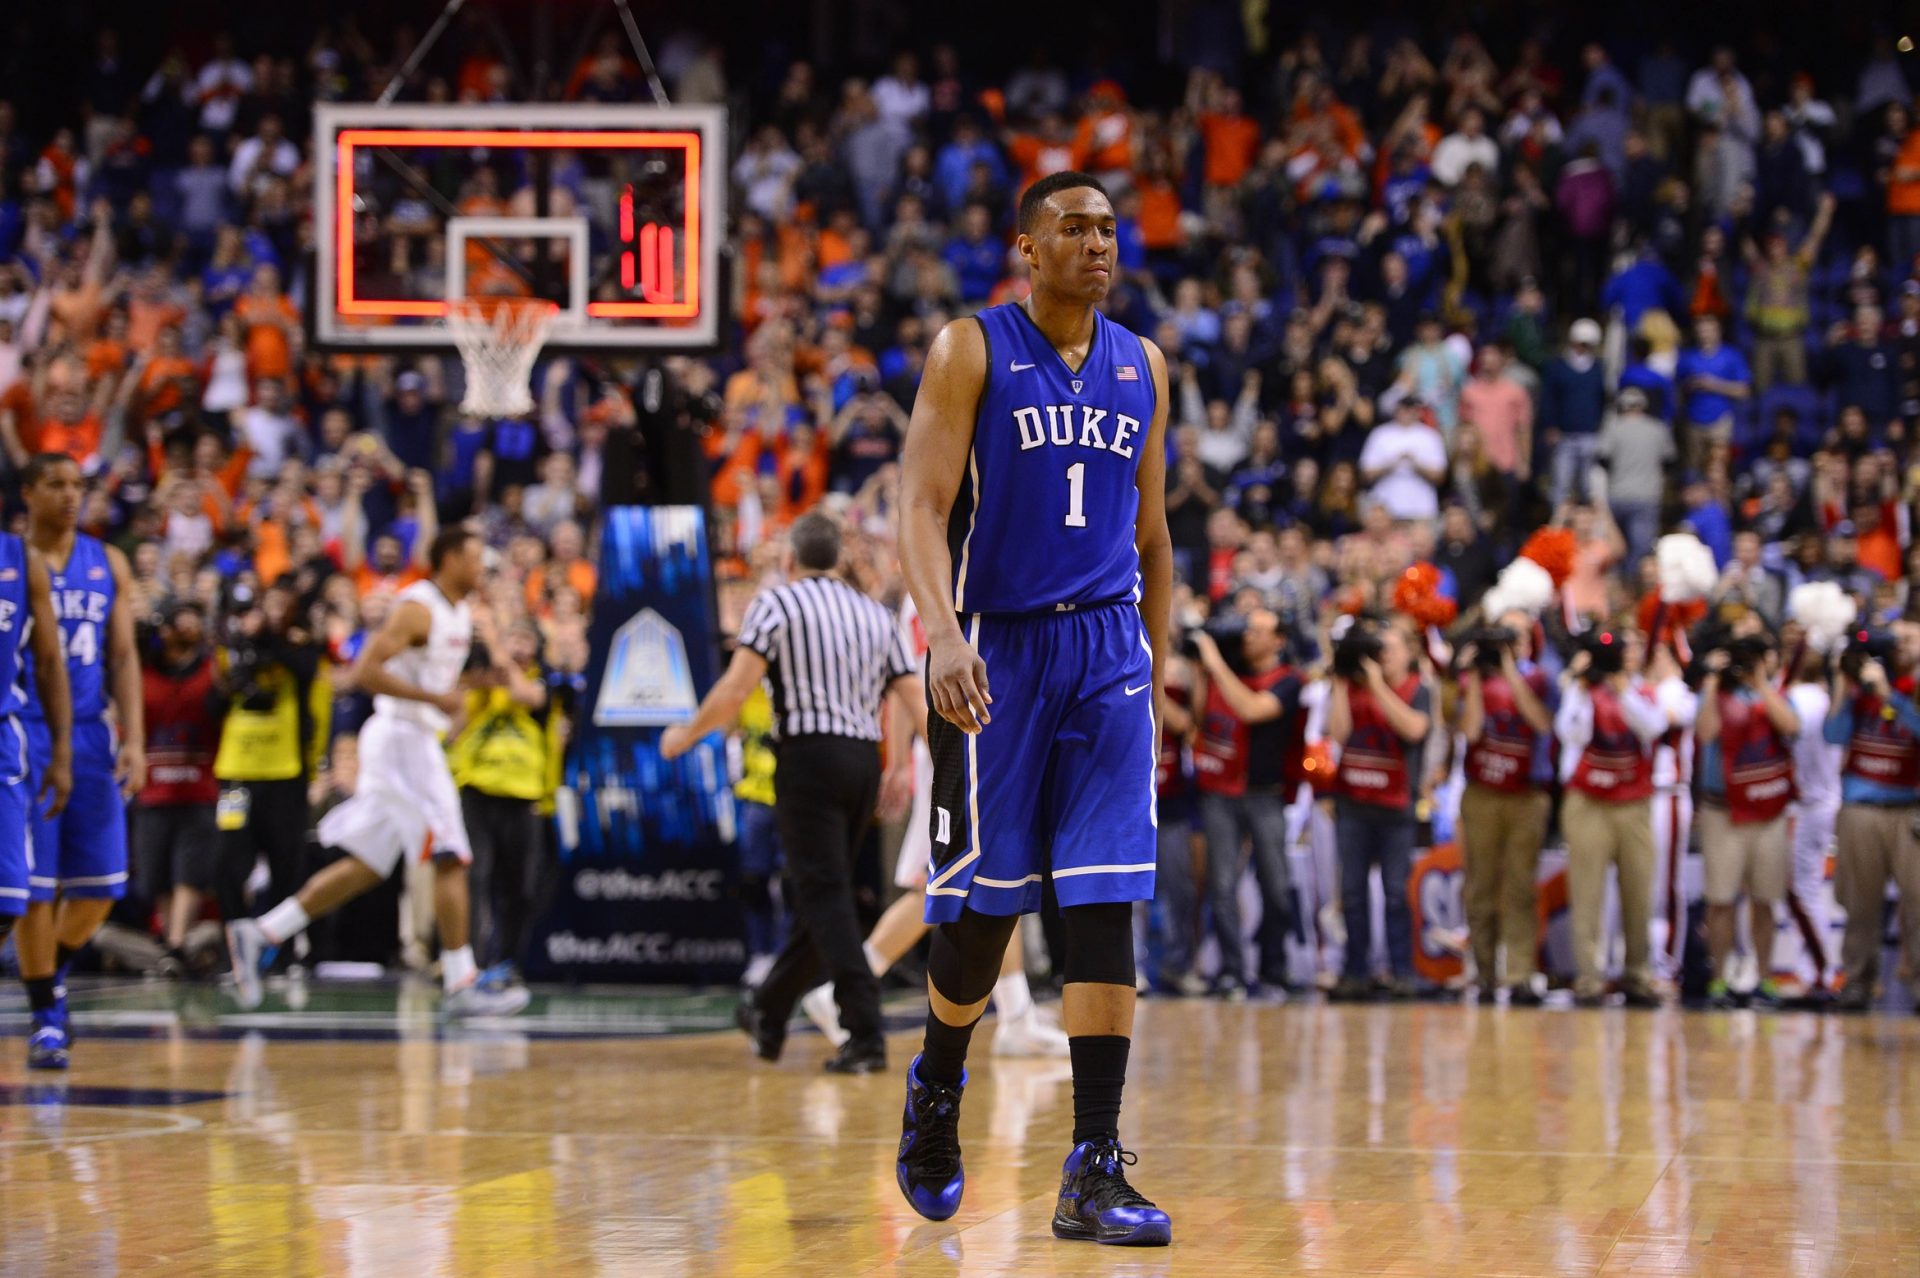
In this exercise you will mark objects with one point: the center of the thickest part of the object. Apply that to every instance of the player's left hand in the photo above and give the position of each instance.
(55, 785)
(675, 741)
(131, 770)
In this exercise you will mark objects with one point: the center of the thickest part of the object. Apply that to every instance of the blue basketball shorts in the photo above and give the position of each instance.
(1061, 782)
(16, 794)
(83, 851)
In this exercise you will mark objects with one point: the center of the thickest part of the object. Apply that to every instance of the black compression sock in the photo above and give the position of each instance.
(1099, 1076)
(944, 1058)
(61, 957)
(39, 992)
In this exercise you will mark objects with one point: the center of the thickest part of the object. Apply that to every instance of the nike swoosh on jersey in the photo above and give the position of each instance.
(1134, 692)
(1015, 366)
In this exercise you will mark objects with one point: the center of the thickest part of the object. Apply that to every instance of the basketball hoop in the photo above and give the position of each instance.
(499, 338)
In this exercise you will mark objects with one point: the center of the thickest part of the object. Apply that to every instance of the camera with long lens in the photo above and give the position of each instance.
(1866, 645)
(1744, 656)
(1229, 639)
(1490, 645)
(247, 655)
(1606, 655)
(1360, 644)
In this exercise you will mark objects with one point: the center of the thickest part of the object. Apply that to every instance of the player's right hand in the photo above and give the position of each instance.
(957, 684)
(55, 784)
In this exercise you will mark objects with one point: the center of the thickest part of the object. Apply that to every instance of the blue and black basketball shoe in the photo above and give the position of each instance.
(928, 1168)
(1098, 1205)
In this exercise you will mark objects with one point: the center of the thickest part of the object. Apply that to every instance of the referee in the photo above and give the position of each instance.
(829, 655)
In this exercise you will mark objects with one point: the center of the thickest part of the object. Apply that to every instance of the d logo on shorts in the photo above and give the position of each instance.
(943, 831)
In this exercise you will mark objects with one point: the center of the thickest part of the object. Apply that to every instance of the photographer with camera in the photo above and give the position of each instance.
(1745, 729)
(271, 674)
(1506, 718)
(174, 845)
(1378, 716)
(1249, 724)
(1607, 729)
(1874, 718)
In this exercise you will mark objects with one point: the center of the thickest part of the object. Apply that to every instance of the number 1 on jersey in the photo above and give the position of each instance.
(1076, 493)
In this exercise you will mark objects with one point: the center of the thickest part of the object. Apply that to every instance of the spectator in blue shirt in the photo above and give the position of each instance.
(1709, 517)
(1714, 377)
(1573, 398)
(1643, 285)
(953, 167)
(975, 255)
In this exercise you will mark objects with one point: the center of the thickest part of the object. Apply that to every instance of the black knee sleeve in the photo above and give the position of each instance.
(1099, 943)
(963, 961)
(6, 925)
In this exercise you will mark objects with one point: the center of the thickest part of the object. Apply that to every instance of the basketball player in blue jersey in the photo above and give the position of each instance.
(26, 617)
(1033, 536)
(79, 855)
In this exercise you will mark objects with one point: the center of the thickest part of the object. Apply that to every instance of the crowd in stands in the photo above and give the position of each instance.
(1419, 295)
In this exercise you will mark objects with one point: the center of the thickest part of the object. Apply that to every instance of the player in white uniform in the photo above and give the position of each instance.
(1676, 880)
(1816, 770)
(406, 801)
(1021, 1030)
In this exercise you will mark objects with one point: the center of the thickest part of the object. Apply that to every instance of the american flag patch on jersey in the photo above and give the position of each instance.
(1127, 373)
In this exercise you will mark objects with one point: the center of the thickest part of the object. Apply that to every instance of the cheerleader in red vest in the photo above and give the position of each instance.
(1607, 725)
(1874, 719)
(1745, 731)
(1506, 716)
(1378, 714)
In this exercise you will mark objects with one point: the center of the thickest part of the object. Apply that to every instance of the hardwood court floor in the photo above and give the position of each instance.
(1299, 1139)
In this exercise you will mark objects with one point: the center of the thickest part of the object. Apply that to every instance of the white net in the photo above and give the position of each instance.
(499, 338)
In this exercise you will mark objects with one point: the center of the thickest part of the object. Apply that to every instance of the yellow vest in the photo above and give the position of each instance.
(756, 749)
(265, 745)
(503, 750)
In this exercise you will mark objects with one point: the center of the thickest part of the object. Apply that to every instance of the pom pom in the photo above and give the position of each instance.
(1661, 619)
(1351, 602)
(1826, 611)
(1552, 549)
(1523, 584)
(1417, 594)
(1687, 570)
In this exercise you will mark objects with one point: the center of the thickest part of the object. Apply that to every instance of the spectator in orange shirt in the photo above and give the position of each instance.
(801, 469)
(1050, 150)
(1105, 136)
(74, 423)
(1877, 529)
(109, 354)
(1229, 137)
(167, 381)
(567, 566)
(1903, 204)
(271, 322)
(150, 311)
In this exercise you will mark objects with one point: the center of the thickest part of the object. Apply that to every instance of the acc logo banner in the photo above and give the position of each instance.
(648, 683)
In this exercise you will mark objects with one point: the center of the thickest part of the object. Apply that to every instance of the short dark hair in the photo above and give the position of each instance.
(816, 542)
(40, 463)
(1036, 195)
(448, 541)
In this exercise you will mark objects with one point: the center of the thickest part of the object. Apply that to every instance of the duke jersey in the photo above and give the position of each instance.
(16, 624)
(83, 851)
(1045, 513)
(83, 595)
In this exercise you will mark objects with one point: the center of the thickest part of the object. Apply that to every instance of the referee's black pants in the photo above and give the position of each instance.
(824, 791)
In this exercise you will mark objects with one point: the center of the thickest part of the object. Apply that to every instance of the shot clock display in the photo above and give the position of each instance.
(614, 213)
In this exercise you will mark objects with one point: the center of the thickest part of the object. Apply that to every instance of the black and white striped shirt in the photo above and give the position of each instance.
(831, 653)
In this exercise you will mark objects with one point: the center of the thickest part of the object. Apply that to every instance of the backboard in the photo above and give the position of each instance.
(615, 213)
